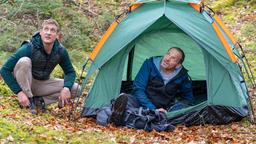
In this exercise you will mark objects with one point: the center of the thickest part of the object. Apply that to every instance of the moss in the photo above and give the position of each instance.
(24, 133)
(4, 89)
(249, 30)
(230, 17)
(58, 72)
(251, 45)
(219, 5)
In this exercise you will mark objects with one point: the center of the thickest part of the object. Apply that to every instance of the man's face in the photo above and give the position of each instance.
(49, 33)
(171, 60)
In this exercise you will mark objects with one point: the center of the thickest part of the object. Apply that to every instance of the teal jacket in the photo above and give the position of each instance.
(42, 63)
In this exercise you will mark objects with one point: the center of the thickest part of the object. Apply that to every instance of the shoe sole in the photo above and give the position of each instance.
(33, 111)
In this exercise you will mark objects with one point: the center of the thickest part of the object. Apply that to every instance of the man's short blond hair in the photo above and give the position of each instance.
(51, 21)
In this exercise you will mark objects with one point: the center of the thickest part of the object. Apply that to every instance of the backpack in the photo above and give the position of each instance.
(146, 119)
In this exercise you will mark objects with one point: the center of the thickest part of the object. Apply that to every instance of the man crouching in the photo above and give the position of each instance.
(27, 71)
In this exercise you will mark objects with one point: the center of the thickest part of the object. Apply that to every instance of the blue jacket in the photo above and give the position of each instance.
(152, 93)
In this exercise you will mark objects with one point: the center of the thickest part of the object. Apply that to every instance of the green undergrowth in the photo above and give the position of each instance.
(239, 16)
(19, 132)
(3, 57)
(4, 89)
(219, 5)
(249, 30)
(19, 126)
(82, 23)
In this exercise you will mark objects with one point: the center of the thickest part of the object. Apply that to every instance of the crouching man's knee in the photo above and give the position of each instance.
(23, 64)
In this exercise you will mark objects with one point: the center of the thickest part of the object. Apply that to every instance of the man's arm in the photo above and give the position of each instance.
(140, 84)
(8, 67)
(69, 78)
(69, 72)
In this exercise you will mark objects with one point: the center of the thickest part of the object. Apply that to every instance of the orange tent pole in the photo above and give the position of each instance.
(230, 35)
(103, 40)
(224, 42)
(135, 6)
(108, 33)
(195, 6)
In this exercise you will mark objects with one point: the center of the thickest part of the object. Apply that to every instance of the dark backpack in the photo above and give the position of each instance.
(148, 120)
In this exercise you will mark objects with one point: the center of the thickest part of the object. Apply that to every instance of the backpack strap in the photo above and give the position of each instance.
(140, 111)
(27, 41)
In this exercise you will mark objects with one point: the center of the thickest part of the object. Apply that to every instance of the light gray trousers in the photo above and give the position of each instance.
(48, 89)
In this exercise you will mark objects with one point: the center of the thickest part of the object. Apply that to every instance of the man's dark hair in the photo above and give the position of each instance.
(181, 52)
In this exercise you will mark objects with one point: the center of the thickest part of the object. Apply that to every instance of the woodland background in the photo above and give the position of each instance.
(83, 22)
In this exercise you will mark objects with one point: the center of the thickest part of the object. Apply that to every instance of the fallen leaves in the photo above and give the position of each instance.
(235, 127)
(57, 120)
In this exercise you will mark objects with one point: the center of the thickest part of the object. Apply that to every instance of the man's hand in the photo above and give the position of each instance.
(64, 97)
(162, 110)
(23, 99)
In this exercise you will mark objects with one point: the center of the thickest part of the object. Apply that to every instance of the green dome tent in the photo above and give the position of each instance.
(150, 28)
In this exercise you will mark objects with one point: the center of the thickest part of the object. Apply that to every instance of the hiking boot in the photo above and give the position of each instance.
(118, 110)
(32, 106)
(40, 104)
(60, 104)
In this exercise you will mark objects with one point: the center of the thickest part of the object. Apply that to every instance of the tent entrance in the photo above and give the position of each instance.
(155, 41)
